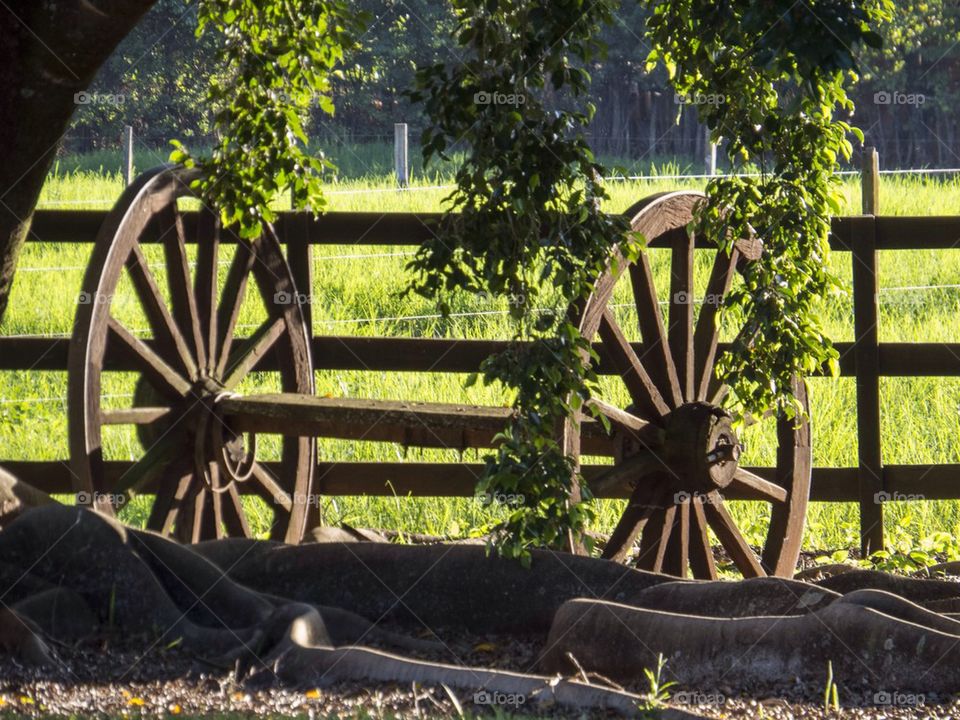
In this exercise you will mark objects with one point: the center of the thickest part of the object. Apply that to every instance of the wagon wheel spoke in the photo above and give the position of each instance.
(165, 330)
(254, 349)
(234, 517)
(163, 377)
(183, 301)
(663, 370)
(677, 556)
(727, 532)
(702, 564)
(216, 498)
(148, 468)
(643, 504)
(707, 331)
(205, 282)
(680, 332)
(274, 492)
(618, 418)
(656, 536)
(756, 484)
(136, 415)
(172, 489)
(195, 520)
(234, 293)
(628, 470)
(642, 390)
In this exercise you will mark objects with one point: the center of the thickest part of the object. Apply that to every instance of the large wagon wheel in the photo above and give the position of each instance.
(190, 460)
(676, 447)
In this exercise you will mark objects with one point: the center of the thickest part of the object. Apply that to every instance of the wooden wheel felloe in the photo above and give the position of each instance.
(675, 444)
(187, 362)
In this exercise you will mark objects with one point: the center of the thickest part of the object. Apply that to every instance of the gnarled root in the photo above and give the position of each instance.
(371, 576)
(316, 666)
(918, 590)
(747, 598)
(870, 637)
(20, 638)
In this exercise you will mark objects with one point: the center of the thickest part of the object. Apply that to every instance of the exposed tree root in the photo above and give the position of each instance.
(299, 614)
(871, 638)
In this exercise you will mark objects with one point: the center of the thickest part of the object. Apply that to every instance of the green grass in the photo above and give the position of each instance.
(357, 292)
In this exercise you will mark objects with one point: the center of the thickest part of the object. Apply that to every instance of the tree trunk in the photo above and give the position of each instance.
(49, 51)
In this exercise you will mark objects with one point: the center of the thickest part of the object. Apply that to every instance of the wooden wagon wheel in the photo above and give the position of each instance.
(186, 364)
(675, 445)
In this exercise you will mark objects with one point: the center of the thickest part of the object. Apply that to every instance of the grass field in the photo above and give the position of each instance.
(356, 292)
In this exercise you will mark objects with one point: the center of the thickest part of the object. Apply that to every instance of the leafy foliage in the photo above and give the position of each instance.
(527, 193)
(779, 71)
(281, 56)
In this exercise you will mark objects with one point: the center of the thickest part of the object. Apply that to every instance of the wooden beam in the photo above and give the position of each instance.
(904, 482)
(866, 352)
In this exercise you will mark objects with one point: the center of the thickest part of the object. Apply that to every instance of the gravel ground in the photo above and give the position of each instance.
(95, 681)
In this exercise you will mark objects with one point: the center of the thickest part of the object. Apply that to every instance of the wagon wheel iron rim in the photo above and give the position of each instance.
(190, 461)
(676, 449)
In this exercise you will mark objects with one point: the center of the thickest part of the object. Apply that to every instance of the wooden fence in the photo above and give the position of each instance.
(866, 359)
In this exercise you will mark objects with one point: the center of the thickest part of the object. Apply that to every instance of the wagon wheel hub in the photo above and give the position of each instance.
(700, 447)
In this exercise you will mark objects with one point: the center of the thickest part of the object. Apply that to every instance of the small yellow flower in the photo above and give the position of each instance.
(175, 709)
(313, 694)
(135, 701)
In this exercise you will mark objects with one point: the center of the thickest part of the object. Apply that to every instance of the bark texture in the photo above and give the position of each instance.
(49, 52)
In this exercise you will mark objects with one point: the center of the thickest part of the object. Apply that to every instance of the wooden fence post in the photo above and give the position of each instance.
(400, 153)
(867, 358)
(710, 154)
(870, 181)
(300, 259)
(127, 155)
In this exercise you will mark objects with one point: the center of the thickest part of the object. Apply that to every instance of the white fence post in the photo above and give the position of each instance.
(710, 157)
(400, 153)
(127, 155)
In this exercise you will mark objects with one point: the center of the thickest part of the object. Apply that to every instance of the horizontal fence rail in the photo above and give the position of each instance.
(405, 229)
(866, 360)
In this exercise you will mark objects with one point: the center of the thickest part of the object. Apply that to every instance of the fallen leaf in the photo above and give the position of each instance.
(484, 647)
(313, 694)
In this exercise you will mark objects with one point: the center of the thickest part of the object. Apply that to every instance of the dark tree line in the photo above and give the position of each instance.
(905, 100)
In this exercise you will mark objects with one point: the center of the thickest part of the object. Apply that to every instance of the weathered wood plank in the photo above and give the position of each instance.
(904, 482)
(866, 353)
(416, 424)
(401, 354)
(336, 228)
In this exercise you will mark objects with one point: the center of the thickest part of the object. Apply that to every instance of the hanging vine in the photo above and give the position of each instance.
(277, 60)
(528, 194)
